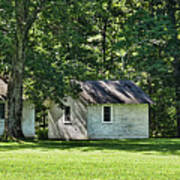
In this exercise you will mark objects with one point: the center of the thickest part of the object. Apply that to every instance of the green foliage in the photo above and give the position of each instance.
(42, 133)
(57, 52)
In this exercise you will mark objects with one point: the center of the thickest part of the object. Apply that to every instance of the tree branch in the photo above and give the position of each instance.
(31, 18)
(26, 8)
(3, 29)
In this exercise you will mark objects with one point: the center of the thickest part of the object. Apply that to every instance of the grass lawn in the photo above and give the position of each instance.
(153, 159)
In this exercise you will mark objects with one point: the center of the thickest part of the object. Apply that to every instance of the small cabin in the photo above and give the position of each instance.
(103, 110)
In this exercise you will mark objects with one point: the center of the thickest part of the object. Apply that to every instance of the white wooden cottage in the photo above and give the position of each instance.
(104, 110)
(28, 120)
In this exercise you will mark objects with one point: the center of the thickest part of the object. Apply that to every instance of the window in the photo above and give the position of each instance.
(67, 114)
(2, 110)
(107, 114)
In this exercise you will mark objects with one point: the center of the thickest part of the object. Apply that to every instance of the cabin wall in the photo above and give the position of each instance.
(129, 121)
(77, 129)
(28, 119)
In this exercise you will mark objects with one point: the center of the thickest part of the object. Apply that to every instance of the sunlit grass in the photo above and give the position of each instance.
(112, 159)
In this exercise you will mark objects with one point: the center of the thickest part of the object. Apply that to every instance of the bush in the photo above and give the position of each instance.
(42, 133)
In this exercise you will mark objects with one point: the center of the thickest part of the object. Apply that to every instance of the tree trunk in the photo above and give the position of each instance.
(104, 40)
(15, 104)
(15, 85)
(24, 20)
(15, 88)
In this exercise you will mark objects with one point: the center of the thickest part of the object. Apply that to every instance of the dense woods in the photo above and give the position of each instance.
(46, 44)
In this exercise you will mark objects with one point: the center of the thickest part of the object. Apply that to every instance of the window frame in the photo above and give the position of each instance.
(64, 115)
(111, 115)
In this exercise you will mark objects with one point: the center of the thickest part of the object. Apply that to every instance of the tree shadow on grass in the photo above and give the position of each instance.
(147, 146)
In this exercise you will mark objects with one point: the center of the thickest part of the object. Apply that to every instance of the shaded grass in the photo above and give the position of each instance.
(107, 159)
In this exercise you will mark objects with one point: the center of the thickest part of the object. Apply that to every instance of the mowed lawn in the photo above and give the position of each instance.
(91, 160)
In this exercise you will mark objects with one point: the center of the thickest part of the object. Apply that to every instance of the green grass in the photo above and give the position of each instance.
(153, 159)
